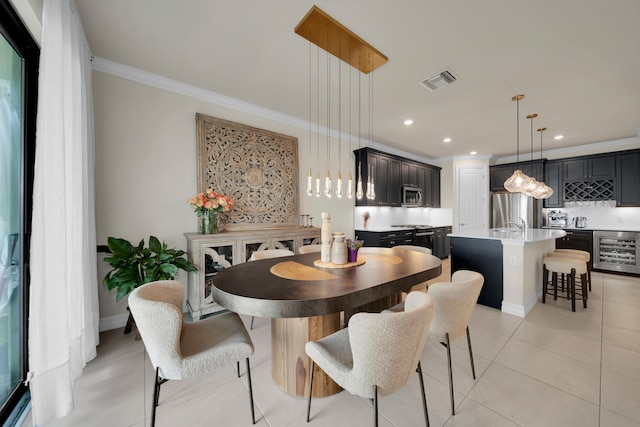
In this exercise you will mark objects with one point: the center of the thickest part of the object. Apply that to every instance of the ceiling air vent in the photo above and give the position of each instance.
(440, 80)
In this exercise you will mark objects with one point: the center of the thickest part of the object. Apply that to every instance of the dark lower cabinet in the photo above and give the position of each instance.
(442, 242)
(577, 239)
(386, 239)
(485, 257)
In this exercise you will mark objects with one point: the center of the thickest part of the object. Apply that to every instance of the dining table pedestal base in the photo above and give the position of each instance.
(290, 363)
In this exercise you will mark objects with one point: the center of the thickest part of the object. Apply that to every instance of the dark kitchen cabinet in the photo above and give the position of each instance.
(500, 173)
(431, 187)
(577, 239)
(386, 173)
(410, 174)
(628, 179)
(425, 177)
(442, 242)
(386, 239)
(390, 173)
(598, 167)
(485, 257)
(553, 178)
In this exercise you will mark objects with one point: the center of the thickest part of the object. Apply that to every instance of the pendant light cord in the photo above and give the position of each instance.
(328, 102)
(310, 100)
(517, 133)
(340, 111)
(318, 109)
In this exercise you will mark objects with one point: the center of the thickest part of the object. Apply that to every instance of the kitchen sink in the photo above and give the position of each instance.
(505, 230)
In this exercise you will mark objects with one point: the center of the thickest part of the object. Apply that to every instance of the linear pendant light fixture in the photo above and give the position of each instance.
(330, 35)
(516, 181)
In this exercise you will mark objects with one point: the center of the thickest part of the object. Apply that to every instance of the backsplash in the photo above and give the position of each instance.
(603, 215)
(387, 216)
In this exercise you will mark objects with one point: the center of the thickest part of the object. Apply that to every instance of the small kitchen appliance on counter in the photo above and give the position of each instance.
(557, 218)
(581, 222)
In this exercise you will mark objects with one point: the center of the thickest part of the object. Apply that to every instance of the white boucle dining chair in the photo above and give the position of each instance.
(270, 253)
(377, 352)
(455, 302)
(414, 248)
(420, 286)
(266, 254)
(308, 249)
(180, 350)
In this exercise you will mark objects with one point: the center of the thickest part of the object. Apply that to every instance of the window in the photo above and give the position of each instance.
(19, 56)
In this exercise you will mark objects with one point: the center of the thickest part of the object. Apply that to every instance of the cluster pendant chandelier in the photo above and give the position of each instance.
(519, 182)
(326, 33)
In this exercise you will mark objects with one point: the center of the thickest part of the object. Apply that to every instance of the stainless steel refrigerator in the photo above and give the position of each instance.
(508, 207)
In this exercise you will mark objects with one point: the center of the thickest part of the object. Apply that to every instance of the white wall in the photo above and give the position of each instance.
(146, 164)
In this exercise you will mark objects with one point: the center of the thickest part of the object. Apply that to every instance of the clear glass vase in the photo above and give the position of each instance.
(211, 222)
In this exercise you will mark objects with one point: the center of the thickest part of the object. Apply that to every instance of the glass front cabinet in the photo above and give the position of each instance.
(212, 253)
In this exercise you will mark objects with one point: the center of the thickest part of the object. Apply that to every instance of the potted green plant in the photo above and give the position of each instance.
(134, 266)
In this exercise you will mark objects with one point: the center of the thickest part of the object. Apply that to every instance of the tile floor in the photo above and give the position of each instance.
(554, 368)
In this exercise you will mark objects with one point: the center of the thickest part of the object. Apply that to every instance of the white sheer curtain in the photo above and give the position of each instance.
(63, 312)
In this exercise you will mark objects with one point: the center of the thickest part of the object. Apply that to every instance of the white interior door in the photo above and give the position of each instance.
(472, 210)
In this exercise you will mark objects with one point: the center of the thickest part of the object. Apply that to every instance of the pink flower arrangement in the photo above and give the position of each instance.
(211, 201)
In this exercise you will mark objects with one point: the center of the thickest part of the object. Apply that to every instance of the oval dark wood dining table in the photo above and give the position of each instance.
(305, 298)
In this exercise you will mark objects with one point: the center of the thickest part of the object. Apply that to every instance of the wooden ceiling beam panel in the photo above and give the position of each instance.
(330, 35)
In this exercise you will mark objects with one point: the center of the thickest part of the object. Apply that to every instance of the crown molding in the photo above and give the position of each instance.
(600, 147)
(164, 83)
(155, 80)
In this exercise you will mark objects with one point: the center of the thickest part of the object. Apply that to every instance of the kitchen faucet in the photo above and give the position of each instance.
(520, 225)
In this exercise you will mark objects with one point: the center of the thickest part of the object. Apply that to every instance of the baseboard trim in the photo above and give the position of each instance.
(511, 308)
(519, 309)
(113, 322)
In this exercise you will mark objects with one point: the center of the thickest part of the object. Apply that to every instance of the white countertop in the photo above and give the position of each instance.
(508, 236)
(631, 229)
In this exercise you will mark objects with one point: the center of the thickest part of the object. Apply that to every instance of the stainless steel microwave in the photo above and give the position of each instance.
(411, 196)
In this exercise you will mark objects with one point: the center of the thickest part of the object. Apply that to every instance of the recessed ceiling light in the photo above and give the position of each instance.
(473, 153)
(408, 122)
(447, 140)
(558, 137)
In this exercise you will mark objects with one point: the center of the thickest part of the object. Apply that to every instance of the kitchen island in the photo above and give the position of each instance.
(510, 261)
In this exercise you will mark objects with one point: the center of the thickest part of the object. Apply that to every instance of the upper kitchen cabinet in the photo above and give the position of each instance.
(628, 179)
(589, 178)
(386, 173)
(500, 173)
(553, 178)
(426, 177)
(431, 188)
(410, 174)
(391, 172)
(387, 183)
(599, 167)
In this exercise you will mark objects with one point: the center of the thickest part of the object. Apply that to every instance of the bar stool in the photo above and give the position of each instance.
(585, 254)
(570, 267)
(574, 253)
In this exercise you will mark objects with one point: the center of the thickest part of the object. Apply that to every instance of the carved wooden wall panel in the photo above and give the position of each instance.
(255, 167)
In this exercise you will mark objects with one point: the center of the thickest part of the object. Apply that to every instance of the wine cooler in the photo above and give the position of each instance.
(616, 251)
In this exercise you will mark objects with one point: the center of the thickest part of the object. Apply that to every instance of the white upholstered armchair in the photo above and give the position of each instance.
(377, 352)
(180, 350)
